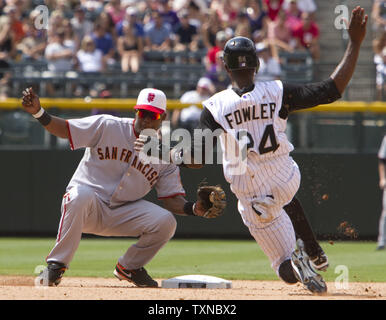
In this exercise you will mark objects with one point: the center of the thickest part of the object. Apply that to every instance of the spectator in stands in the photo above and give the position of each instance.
(269, 67)
(379, 43)
(7, 52)
(80, 24)
(93, 8)
(189, 117)
(157, 34)
(186, 37)
(55, 22)
(217, 74)
(131, 18)
(196, 16)
(168, 15)
(17, 27)
(104, 42)
(227, 11)
(280, 35)
(210, 59)
(210, 29)
(59, 58)
(64, 7)
(89, 58)
(294, 15)
(307, 36)
(379, 15)
(243, 25)
(107, 23)
(130, 49)
(90, 61)
(258, 17)
(115, 10)
(380, 61)
(302, 5)
(70, 39)
(34, 43)
(273, 7)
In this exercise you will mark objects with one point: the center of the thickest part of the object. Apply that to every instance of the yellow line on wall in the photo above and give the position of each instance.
(128, 104)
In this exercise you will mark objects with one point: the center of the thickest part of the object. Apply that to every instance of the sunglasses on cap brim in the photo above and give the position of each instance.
(145, 113)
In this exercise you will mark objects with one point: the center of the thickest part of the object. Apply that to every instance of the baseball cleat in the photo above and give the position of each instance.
(320, 261)
(52, 274)
(139, 276)
(305, 273)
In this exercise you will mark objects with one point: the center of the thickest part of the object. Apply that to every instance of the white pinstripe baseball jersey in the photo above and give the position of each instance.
(254, 119)
(267, 178)
(267, 169)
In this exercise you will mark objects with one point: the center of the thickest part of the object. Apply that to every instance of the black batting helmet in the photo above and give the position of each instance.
(240, 53)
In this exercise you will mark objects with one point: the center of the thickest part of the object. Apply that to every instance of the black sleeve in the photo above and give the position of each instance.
(207, 121)
(297, 97)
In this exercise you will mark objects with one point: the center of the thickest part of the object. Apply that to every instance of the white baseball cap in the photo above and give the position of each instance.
(152, 100)
(205, 83)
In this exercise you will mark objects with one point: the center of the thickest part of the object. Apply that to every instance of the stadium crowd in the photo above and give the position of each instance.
(93, 36)
(379, 46)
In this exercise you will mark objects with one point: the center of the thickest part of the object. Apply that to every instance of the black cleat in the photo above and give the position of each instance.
(138, 276)
(52, 274)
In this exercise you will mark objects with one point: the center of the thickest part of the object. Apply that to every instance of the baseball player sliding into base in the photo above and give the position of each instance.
(104, 196)
(255, 114)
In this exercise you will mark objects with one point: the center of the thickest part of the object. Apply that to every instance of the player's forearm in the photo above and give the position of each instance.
(345, 70)
(58, 127)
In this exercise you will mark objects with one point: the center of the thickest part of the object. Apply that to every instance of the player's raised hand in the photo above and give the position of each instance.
(31, 102)
(357, 25)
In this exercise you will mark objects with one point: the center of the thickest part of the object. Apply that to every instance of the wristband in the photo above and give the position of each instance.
(189, 208)
(38, 114)
(43, 117)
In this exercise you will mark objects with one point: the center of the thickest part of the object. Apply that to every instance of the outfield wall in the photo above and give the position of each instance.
(335, 188)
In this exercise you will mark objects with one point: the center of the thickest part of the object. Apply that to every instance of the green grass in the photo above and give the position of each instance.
(222, 258)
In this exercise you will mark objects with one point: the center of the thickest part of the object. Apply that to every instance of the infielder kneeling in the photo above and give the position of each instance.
(104, 196)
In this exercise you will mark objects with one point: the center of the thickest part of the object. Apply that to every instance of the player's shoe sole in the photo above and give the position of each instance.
(305, 274)
(139, 277)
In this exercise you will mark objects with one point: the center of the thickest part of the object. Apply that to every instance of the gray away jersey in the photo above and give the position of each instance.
(112, 167)
(251, 119)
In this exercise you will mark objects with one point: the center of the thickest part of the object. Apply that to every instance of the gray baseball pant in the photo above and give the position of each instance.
(84, 212)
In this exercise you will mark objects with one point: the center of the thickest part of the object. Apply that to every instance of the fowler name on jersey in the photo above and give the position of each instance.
(267, 110)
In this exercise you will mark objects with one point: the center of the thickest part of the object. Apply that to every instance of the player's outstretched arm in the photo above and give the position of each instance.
(296, 97)
(357, 32)
(54, 125)
(211, 202)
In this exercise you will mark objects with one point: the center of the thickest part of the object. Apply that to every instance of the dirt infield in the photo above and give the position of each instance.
(23, 288)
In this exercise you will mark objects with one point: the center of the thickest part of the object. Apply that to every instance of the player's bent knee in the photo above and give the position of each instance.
(286, 272)
(168, 225)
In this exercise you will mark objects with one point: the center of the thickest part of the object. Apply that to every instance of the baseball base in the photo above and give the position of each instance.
(196, 282)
